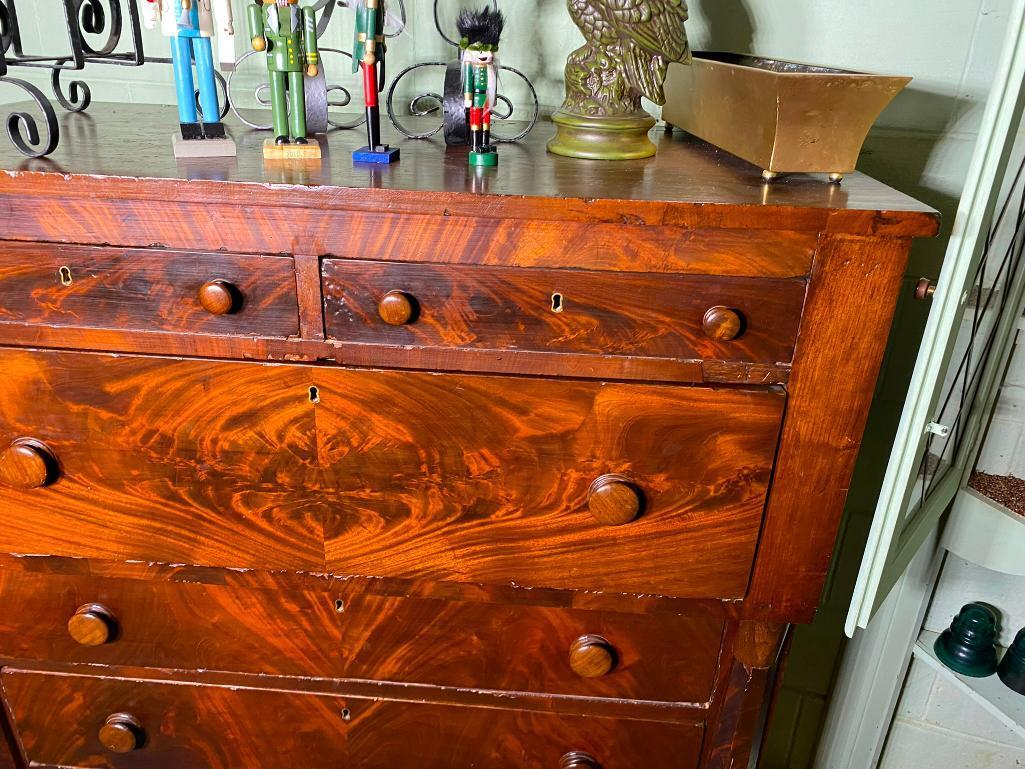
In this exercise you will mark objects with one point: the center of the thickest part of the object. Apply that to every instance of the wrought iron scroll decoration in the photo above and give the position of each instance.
(95, 29)
(429, 102)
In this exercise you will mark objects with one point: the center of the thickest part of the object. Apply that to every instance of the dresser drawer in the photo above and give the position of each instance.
(563, 311)
(352, 633)
(546, 483)
(83, 721)
(162, 624)
(137, 290)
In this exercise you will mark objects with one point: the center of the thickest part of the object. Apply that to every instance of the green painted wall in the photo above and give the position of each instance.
(921, 145)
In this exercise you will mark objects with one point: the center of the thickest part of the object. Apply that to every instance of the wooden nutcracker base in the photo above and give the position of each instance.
(272, 151)
(203, 148)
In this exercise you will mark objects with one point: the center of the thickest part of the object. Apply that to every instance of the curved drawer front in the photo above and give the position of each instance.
(564, 484)
(139, 290)
(563, 311)
(162, 725)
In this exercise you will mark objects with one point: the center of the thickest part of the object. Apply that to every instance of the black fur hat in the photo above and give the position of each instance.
(481, 29)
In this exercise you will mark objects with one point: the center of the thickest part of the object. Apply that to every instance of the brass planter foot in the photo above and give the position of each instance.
(602, 138)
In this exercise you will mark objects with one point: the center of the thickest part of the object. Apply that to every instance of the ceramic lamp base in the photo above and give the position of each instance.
(602, 138)
(488, 158)
(380, 155)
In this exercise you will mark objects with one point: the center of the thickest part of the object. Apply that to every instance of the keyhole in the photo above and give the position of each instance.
(557, 303)
(346, 714)
(65, 276)
(314, 395)
(339, 605)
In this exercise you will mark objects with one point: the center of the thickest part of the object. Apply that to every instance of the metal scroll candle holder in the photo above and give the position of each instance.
(95, 30)
(451, 103)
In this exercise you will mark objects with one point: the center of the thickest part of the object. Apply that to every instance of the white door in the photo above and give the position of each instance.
(977, 301)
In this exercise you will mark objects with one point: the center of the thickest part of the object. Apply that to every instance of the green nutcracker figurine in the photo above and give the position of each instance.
(288, 34)
(480, 31)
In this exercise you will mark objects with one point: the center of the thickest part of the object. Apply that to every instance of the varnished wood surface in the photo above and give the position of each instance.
(302, 581)
(206, 727)
(175, 461)
(524, 362)
(456, 478)
(843, 337)
(689, 183)
(389, 474)
(348, 632)
(568, 311)
(173, 625)
(667, 658)
(147, 290)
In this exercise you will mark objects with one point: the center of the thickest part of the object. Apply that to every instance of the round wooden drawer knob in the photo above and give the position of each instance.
(121, 733)
(92, 625)
(722, 324)
(591, 656)
(396, 309)
(219, 297)
(27, 464)
(577, 760)
(613, 500)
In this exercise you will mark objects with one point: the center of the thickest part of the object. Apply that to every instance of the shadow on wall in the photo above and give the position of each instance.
(729, 22)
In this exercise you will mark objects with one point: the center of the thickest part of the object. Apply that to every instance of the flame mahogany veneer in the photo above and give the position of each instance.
(415, 468)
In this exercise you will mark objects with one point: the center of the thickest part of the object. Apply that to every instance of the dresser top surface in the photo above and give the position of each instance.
(125, 150)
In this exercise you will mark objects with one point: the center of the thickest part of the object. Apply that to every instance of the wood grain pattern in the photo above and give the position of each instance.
(840, 349)
(175, 461)
(225, 728)
(145, 290)
(731, 740)
(348, 632)
(393, 474)
(457, 477)
(173, 625)
(527, 648)
(568, 311)
(689, 183)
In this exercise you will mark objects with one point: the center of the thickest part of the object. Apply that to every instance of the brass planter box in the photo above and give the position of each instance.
(782, 116)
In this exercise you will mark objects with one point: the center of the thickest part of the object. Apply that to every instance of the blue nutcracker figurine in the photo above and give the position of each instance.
(189, 25)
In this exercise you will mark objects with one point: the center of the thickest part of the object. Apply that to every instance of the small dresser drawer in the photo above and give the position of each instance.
(142, 290)
(72, 720)
(563, 311)
(671, 656)
(154, 623)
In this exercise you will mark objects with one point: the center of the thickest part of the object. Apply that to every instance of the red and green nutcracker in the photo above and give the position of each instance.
(288, 34)
(369, 50)
(481, 32)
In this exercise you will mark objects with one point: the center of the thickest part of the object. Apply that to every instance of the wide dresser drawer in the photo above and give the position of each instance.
(349, 631)
(453, 307)
(148, 290)
(70, 720)
(495, 480)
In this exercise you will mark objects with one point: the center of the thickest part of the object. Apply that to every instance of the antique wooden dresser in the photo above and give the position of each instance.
(336, 467)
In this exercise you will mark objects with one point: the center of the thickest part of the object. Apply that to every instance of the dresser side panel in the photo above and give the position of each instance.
(840, 348)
